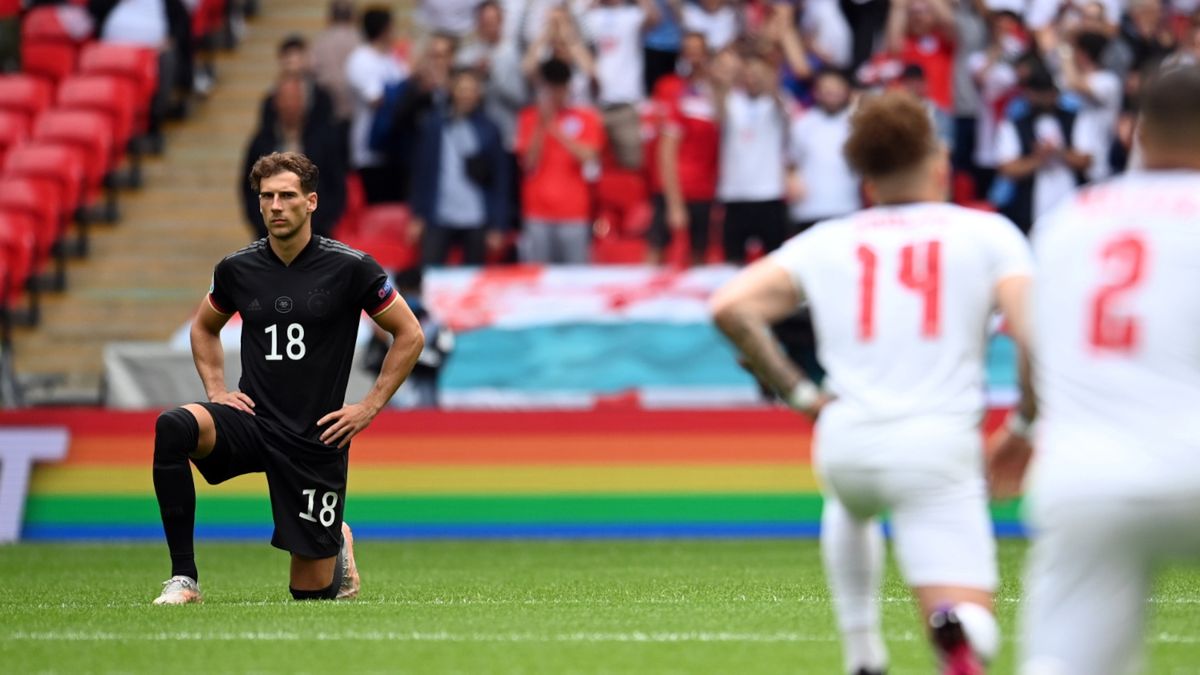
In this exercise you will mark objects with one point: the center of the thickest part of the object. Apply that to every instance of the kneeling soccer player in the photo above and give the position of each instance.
(1114, 487)
(300, 297)
(901, 295)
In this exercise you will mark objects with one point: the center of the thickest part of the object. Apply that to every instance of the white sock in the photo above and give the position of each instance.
(981, 629)
(853, 554)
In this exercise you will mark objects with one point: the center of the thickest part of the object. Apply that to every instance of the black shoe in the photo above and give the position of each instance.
(864, 671)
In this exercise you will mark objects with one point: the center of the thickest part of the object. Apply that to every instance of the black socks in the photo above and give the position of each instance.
(329, 592)
(176, 434)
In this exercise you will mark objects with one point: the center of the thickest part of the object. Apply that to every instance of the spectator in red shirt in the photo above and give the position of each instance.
(921, 32)
(686, 180)
(558, 146)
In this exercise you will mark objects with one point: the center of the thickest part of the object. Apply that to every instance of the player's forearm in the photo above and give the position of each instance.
(1027, 407)
(753, 338)
(209, 356)
(397, 364)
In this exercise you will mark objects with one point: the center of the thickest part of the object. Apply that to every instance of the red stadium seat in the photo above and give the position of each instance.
(42, 24)
(383, 232)
(25, 94)
(59, 164)
(112, 96)
(208, 18)
(385, 220)
(17, 250)
(138, 65)
(88, 131)
(14, 128)
(38, 201)
(50, 60)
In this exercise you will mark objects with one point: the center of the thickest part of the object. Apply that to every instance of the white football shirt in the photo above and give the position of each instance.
(1116, 344)
(616, 34)
(901, 298)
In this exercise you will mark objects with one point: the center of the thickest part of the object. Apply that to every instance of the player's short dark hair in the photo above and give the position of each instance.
(279, 162)
(1092, 44)
(293, 41)
(375, 22)
(555, 72)
(889, 133)
(1170, 105)
(486, 4)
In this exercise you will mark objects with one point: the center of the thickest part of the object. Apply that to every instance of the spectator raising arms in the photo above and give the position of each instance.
(560, 40)
(753, 119)
(558, 145)
(461, 192)
(615, 32)
(921, 32)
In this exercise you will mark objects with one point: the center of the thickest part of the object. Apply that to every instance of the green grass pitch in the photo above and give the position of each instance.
(743, 606)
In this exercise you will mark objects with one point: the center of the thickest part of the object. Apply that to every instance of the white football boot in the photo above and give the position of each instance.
(179, 590)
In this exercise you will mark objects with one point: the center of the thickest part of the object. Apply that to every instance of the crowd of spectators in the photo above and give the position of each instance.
(500, 122)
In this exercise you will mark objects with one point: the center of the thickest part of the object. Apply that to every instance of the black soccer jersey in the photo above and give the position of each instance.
(299, 324)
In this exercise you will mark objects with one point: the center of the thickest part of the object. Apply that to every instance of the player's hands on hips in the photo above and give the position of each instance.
(235, 399)
(345, 424)
(1007, 457)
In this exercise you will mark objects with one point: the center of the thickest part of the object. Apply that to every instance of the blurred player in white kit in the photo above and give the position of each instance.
(901, 296)
(1114, 487)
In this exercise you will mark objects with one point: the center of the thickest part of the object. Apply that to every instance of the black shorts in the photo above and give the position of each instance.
(765, 221)
(699, 220)
(306, 478)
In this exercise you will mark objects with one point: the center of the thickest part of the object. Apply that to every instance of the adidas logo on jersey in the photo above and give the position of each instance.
(254, 306)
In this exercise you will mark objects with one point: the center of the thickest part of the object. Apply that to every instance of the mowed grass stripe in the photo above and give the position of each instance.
(453, 479)
(365, 509)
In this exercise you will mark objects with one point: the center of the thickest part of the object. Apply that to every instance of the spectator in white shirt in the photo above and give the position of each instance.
(1044, 149)
(614, 29)
(500, 64)
(1100, 92)
(716, 20)
(753, 120)
(369, 70)
(822, 184)
(452, 17)
(995, 79)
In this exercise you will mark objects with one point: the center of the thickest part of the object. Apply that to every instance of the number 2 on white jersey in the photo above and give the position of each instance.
(1124, 258)
(921, 274)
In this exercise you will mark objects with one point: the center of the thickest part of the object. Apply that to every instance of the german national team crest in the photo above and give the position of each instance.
(319, 302)
(283, 304)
